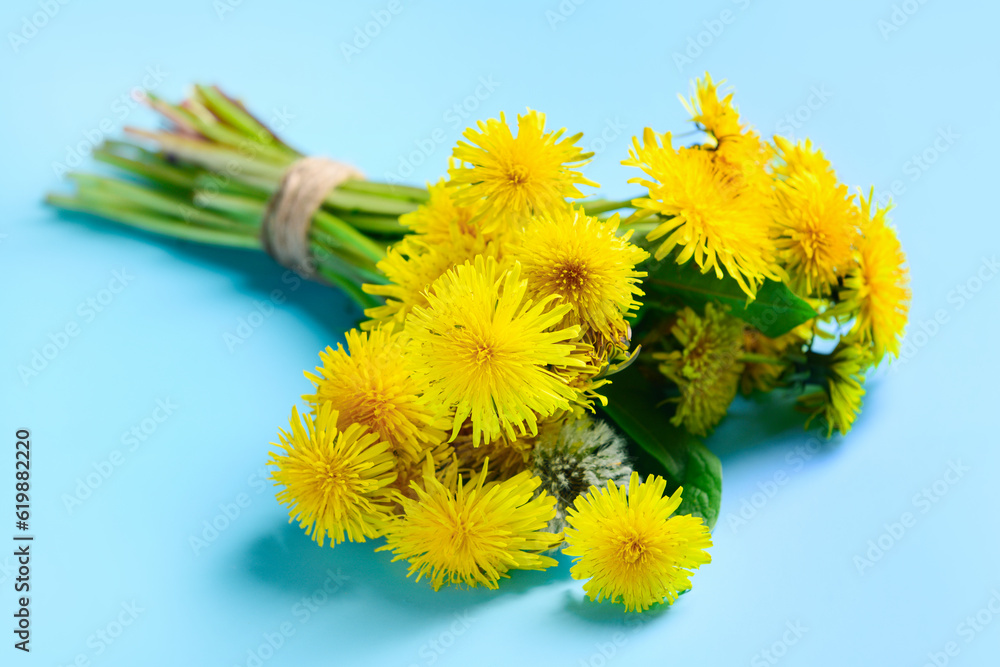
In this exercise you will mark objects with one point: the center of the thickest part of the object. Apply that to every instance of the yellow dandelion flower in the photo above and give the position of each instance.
(707, 369)
(336, 482)
(472, 533)
(445, 234)
(716, 116)
(801, 160)
(441, 220)
(506, 457)
(737, 147)
(485, 350)
(411, 266)
(839, 402)
(877, 289)
(372, 383)
(816, 226)
(744, 159)
(584, 261)
(628, 546)
(588, 373)
(516, 177)
(719, 221)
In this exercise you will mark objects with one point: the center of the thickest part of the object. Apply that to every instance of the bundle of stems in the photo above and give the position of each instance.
(209, 174)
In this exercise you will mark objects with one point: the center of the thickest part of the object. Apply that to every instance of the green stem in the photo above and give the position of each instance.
(221, 134)
(157, 224)
(350, 287)
(405, 192)
(171, 176)
(376, 224)
(348, 237)
(598, 206)
(640, 230)
(358, 202)
(246, 124)
(639, 215)
(114, 192)
(751, 358)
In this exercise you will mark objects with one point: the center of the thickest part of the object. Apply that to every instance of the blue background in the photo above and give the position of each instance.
(872, 97)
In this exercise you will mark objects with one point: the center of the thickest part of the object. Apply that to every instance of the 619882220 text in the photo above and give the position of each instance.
(22, 540)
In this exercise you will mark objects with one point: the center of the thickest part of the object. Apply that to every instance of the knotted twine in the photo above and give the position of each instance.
(284, 228)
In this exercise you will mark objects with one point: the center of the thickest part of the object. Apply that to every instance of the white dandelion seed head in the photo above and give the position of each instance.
(580, 454)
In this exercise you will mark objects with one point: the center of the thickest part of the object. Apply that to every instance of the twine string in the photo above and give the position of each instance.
(285, 226)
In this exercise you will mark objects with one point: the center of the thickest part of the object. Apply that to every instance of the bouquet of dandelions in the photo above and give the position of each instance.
(460, 421)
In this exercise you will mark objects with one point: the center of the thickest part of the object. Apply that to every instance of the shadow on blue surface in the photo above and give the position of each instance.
(603, 613)
(289, 560)
(768, 421)
(255, 271)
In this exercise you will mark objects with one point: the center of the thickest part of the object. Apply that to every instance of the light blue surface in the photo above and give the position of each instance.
(878, 99)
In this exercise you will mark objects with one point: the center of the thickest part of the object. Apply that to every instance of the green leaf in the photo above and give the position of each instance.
(665, 449)
(775, 311)
(702, 483)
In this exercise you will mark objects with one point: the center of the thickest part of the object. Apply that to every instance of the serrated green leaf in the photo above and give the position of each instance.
(663, 448)
(775, 311)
